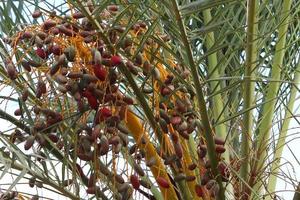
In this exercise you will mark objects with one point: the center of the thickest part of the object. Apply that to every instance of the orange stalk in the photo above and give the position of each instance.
(158, 170)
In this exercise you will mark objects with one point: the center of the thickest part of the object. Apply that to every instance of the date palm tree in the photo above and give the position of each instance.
(149, 99)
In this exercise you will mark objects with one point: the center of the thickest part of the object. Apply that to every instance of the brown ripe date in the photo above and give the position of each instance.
(132, 68)
(202, 151)
(104, 145)
(135, 182)
(219, 141)
(117, 148)
(78, 15)
(27, 35)
(178, 150)
(176, 120)
(199, 190)
(41, 88)
(29, 142)
(220, 149)
(32, 181)
(205, 178)
(115, 60)
(96, 132)
(38, 42)
(192, 166)
(100, 72)
(62, 89)
(165, 91)
(64, 30)
(89, 78)
(48, 24)
(207, 164)
(79, 170)
(60, 79)
(147, 68)
(25, 64)
(18, 112)
(54, 138)
(124, 139)
(85, 156)
(224, 171)
(41, 35)
(75, 75)
(184, 134)
(11, 71)
(36, 14)
(55, 67)
(114, 140)
(56, 50)
(113, 8)
(25, 94)
(190, 178)
(179, 177)
(128, 100)
(91, 190)
(132, 149)
(164, 115)
(119, 179)
(180, 106)
(162, 182)
(138, 169)
(54, 31)
(104, 113)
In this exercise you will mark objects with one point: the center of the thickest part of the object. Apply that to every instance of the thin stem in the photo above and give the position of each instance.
(283, 133)
(54, 152)
(16, 122)
(193, 154)
(46, 181)
(271, 93)
(212, 59)
(217, 100)
(251, 56)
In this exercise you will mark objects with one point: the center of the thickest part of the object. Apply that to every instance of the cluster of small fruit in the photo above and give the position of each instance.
(207, 179)
(76, 63)
(80, 67)
(70, 54)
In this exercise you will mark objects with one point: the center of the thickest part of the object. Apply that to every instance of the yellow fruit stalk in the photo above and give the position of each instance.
(158, 170)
